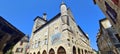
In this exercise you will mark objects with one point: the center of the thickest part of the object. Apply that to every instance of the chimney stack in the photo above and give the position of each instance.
(44, 16)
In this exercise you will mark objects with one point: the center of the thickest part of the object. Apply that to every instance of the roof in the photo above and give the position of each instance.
(40, 18)
(2, 20)
(83, 32)
(8, 29)
(59, 14)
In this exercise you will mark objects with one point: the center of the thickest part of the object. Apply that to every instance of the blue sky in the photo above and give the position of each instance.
(21, 13)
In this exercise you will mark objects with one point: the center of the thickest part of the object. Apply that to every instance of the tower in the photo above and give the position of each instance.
(39, 21)
(64, 14)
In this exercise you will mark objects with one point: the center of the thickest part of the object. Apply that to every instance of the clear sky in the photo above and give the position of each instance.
(21, 13)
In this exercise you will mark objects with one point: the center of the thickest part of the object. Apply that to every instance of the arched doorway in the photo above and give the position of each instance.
(34, 53)
(61, 50)
(82, 51)
(85, 51)
(78, 50)
(74, 50)
(38, 52)
(51, 51)
(44, 52)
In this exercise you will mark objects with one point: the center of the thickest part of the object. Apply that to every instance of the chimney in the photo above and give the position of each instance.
(44, 16)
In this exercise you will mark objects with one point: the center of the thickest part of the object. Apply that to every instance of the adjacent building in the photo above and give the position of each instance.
(9, 35)
(22, 46)
(111, 9)
(107, 38)
(60, 35)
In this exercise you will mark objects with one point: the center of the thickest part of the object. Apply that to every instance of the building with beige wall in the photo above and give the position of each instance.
(60, 35)
(107, 40)
(111, 9)
(21, 47)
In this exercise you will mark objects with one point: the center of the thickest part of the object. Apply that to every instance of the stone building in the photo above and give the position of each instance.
(9, 35)
(107, 40)
(22, 46)
(60, 35)
(111, 9)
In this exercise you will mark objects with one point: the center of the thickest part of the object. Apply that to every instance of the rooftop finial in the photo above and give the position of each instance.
(63, 8)
(63, 2)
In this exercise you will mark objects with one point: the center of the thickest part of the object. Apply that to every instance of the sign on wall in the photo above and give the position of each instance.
(55, 38)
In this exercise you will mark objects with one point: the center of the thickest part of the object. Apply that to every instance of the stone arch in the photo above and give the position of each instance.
(61, 50)
(44, 52)
(38, 52)
(85, 51)
(74, 50)
(78, 50)
(34, 53)
(82, 51)
(51, 51)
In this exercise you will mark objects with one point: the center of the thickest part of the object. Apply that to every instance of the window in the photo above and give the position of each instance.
(19, 50)
(116, 2)
(94, 1)
(68, 39)
(21, 43)
(56, 30)
(117, 36)
(46, 41)
(111, 12)
(38, 43)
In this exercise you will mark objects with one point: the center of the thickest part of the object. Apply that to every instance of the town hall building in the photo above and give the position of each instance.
(60, 35)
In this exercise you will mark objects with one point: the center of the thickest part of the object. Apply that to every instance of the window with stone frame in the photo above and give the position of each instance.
(38, 43)
(21, 43)
(56, 30)
(46, 41)
(116, 2)
(19, 50)
(111, 12)
(118, 37)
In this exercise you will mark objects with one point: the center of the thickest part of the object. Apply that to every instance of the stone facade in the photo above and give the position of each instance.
(107, 40)
(21, 47)
(111, 9)
(60, 35)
